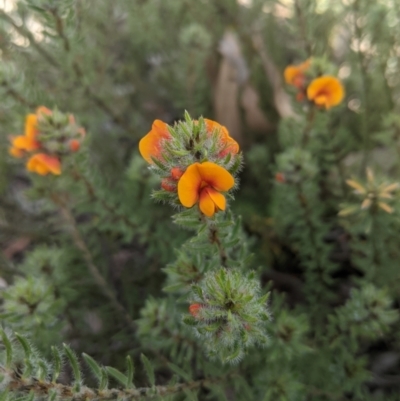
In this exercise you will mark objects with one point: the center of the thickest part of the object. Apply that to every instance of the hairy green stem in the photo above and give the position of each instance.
(215, 239)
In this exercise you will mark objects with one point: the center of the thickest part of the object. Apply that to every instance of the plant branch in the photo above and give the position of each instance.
(43, 389)
(95, 272)
(93, 195)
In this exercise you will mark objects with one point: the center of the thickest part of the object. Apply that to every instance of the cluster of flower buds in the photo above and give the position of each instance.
(197, 161)
(229, 311)
(324, 91)
(49, 135)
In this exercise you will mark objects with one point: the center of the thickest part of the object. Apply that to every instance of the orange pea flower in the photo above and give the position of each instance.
(203, 182)
(231, 146)
(294, 74)
(150, 146)
(26, 143)
(43, 164)
(326, 91)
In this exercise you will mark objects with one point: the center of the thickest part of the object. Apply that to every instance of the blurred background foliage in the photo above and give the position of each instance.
(117, 66)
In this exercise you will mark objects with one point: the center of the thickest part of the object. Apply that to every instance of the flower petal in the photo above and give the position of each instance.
(326, 91)
(357, 186)
(216, 176)
(31, 126)
(23, 142)
(43, 164)
(189, 185)
(231, 146)
(16, 152)
(212, 126)
(150, 144)
(384, 206)
(294, 74)
(217, 198)
(206, 204)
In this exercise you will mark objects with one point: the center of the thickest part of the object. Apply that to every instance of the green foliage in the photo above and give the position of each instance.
(89, 259)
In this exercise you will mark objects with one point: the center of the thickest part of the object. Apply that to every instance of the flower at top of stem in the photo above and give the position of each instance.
(229, 144)
(295, 74)
(44, 164)
(203, 183)
(52, 133)
(150, 146)
(374, 194)
(326, 91)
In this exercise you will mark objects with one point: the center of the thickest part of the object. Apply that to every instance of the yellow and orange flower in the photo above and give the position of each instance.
(44, 164)
(27, 142)
(150, 146)
(230, 145)
(326, 91)
(203, 183)
(295, 74)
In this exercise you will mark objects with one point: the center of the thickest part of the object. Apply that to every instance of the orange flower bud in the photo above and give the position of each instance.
(194, 309)
(176, 173)
(280, 177)
(74, 145)
(168, 185)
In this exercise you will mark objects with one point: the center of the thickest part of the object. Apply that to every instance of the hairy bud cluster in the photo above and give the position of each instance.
(49, 135)
(229, 313)
(197, 161)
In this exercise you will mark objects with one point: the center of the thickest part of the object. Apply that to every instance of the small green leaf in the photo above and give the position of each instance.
(42, 370)
(103, 382)
(130, 372)
(8, 346)
(25, 345)
(93, 365)
(149, 369)
(117, 375)
(73, 360)
(180, 372)
(57, 357)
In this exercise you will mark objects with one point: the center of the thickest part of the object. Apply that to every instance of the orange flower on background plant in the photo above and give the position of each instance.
(194, 309)
(326, 91)
(231, 146)
(203, 183)
(43, 164)
(150, 146)
(294, 74)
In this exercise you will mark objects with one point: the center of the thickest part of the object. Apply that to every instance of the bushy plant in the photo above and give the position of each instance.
(269, 131)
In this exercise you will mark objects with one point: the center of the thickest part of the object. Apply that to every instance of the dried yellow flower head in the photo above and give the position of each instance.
(374, 194)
